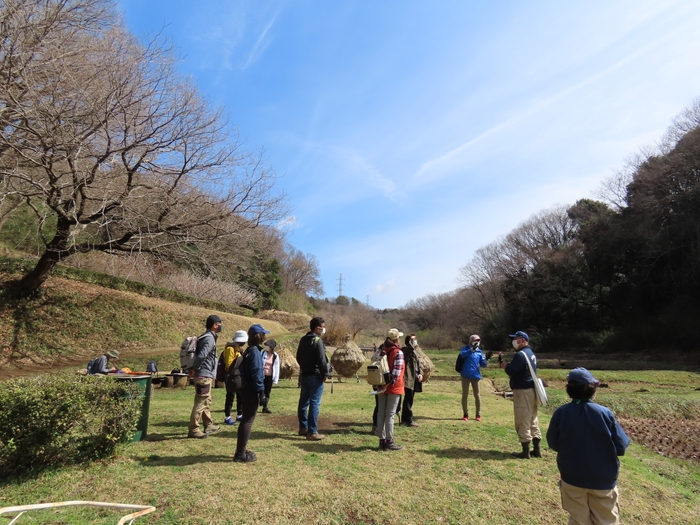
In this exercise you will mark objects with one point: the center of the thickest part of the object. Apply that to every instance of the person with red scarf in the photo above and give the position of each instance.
(390, 394)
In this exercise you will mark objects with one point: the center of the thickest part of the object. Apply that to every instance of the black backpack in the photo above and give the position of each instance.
(460, 363)
(152, 367)
(235, 380)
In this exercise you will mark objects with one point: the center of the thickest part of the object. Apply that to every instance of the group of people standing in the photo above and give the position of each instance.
(260, 368)
(586, 436)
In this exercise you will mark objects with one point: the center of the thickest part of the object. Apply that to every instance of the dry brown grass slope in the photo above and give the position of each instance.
(71, 321)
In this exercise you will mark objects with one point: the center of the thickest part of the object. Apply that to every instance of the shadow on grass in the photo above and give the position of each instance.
(332, 448)
(181, 461)
(466, 453)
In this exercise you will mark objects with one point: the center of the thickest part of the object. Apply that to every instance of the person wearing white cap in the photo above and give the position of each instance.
(388, 396)
(231, 352)
(588, 440)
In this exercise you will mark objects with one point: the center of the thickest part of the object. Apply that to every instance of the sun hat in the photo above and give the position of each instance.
(114, 354)
(394, 334)
(241, 336)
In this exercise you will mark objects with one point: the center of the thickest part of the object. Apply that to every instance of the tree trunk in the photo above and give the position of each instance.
(33, 280)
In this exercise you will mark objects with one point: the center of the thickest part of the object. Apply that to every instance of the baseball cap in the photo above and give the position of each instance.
(394, 334)
(212, 320)
(473, 338)
(520, 334)
(241, 336)
(257, 329)
(581, 376)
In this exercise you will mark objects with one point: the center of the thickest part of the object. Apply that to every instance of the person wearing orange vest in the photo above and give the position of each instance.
(389, 396)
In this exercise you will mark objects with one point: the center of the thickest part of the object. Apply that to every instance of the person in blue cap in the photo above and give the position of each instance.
(253, 393)
(524, 398)
(588, 440)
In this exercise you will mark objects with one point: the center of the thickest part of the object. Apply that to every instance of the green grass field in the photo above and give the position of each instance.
(449, 472)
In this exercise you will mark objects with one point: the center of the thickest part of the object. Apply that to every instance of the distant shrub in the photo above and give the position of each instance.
(61, 419)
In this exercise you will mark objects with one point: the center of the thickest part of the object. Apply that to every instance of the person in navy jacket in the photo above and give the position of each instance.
(588, 440)
(524, 397)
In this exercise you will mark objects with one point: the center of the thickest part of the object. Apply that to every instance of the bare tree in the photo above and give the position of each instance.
(111, 149)
(300, 272)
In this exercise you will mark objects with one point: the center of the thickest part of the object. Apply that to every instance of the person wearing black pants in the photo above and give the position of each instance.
(412, 380)
(271, 370)
(253, 393)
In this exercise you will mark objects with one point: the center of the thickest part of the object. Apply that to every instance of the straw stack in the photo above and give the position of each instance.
(348, 359)
(288, 363)
(426, 365)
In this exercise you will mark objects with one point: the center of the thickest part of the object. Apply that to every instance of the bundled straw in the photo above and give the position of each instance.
(348, 359)
(426, 365)
(288, 363)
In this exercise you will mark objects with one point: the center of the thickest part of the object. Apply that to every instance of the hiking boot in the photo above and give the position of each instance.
(229, 421)
(536, 452)
(266, 411)
(210, 429)
(247, 457)
(196, 434)
(303, 431)
(392, 446)
(382, 444)
(478, 418)
(315, 437)
(525, 454)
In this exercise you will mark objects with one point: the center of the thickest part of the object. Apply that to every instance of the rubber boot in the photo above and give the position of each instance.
(536, 453)
(525, 454)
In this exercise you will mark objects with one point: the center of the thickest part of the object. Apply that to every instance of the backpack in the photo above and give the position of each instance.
(460, 362)
(221, 368)
(152, 367)
(89, 365)
(187, 350)
(378, 372)
(235, 382)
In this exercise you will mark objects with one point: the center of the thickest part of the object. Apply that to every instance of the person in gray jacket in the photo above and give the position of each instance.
(101, 365)
(204, 365)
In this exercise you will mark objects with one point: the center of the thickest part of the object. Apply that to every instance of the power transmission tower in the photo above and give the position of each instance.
(340, 285)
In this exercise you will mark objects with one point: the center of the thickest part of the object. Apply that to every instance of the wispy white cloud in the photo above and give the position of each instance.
(457, 159)
(261, 42)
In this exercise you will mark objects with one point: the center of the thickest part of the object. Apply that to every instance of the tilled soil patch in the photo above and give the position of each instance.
(673, 438)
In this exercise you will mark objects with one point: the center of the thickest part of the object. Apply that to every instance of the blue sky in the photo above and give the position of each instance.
(409, 134)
